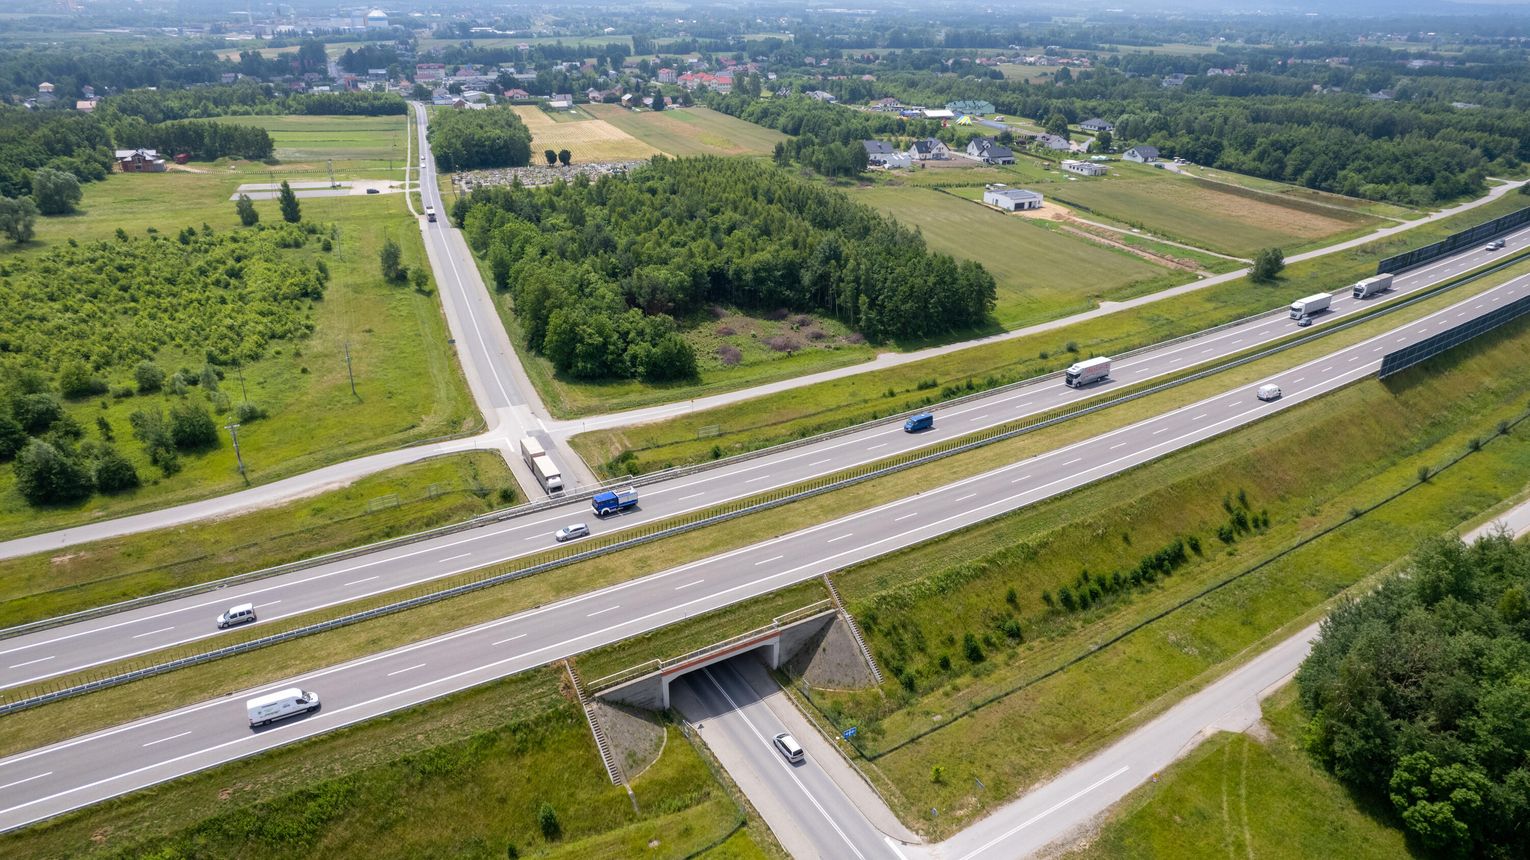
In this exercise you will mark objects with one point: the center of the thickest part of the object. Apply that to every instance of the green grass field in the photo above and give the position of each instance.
(1041, 274)
(460, 777)
(362, 147)
(397, 502)
(915, 606)
(771, 419)
(691, 131)
(1246, 795)
(1216, 216)
(409, 386)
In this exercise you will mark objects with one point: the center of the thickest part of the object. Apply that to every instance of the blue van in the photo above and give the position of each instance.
(922, 421)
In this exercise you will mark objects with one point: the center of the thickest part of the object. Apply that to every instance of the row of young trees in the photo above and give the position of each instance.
(247, 98)
(599, 270)
(1418, 694)
(468, 139)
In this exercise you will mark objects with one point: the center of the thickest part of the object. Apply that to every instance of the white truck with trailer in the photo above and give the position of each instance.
(1310, 305)
(1371, 286)
(1087, 372)
(280, 705)
(541, 465)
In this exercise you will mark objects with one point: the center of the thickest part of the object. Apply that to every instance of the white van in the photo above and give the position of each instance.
(280, 705)
(244, 613)
(789, 748)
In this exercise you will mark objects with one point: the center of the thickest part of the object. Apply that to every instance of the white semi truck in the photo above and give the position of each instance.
(1310, 305)
(1371, 286)
(541, 465)
(1087, 372)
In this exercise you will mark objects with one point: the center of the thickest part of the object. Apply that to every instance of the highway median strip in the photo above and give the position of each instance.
(395, 601)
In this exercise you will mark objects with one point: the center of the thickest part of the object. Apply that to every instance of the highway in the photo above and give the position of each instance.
(87, 769)
(86, 644)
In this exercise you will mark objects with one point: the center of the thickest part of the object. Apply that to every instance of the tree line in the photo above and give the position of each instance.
(247, 98)
(469, 139)
(1418, 694)
(599, 271)
(825, 138)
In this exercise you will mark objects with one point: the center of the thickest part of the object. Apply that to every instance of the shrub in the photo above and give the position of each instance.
(971, 649)
(783, 343)
(247, 412)
(729, 355)
(75, 381)
(113, 472)
(191, 427)
(47, 475)
(149, 377)
(547, 821)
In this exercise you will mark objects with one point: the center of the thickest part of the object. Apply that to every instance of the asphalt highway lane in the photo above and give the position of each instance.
(87, 644)
(77, 772)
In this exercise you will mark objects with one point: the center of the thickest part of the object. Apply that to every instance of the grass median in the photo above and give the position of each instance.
(66, 718)
(773, 419)
(397, 502)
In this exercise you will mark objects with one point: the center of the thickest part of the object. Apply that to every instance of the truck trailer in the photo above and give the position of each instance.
(280, 705)
(1371, 286)
(1087, 372)
(612, 502)
(1310, 305)
(541, 465)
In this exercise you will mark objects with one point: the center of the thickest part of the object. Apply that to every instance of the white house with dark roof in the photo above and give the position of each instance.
(1096, 125)
(1011, 199)
(1141, 154)
(989, 151)
(929, 149)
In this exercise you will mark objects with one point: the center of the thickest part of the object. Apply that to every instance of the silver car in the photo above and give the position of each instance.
(571, 532)
(788, 747)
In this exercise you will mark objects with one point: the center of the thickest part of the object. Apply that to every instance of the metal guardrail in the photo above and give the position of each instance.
(809, 489)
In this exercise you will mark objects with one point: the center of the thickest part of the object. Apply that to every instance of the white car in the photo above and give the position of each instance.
(1493, 245)
(244, 613)
(1269, 392)
(570, 532)
(789, 747)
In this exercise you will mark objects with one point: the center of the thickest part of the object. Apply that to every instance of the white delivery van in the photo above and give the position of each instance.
(280, 705)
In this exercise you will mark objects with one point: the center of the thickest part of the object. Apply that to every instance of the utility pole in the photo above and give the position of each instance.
(348, 370)
(233, 431)
(331, 163)
(243, 392)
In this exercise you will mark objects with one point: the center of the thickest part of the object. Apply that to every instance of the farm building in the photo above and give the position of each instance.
(970, 106)
(989, 151)
(1141, 154)
(1011, 199)
(1083, 168)
(139, 161)
(938, 113)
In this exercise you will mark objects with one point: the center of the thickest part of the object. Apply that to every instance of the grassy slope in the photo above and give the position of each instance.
(1246, 796)
(460, 777)
(1298, 466)
(1041, 275)
(399, 501)
(409, 383)
(691, 131)
(776, 418)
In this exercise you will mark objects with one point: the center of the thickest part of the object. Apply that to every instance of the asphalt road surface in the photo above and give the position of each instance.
(96, 642)
(77, 772)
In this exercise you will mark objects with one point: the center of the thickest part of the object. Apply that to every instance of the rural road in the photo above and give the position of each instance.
(74, 773)
(36, 656)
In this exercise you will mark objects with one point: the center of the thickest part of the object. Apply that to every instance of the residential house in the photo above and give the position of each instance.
(1083, 168)
(974, 106)
(887, 104)
(876, 150)
(85, 105)
(822, 96)
(429, 72)
(561, 101)
(1052, 142)
(1173, 82)
(1011, 199)
(929, 149)
(139, 161)
(989, 151)
(667, 76)
(517, 94)
(1096, 125)
(1141, 154)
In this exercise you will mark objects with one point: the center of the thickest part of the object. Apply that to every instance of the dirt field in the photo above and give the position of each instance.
(587, 139)
(692, 131)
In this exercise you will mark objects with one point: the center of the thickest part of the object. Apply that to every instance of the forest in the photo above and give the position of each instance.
(469, 139)
(91, 320)
(599, 271)
(1418, 694)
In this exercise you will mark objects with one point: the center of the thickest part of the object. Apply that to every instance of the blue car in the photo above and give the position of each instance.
(922, 421)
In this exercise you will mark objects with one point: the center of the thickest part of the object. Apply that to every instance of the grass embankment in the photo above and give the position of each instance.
(677, 640)
(1247, 795)
(408, 384)
(397, 502)
(777, 418)
(67, 718)
(464, 776)
(1305, 469)
(1041, 275)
